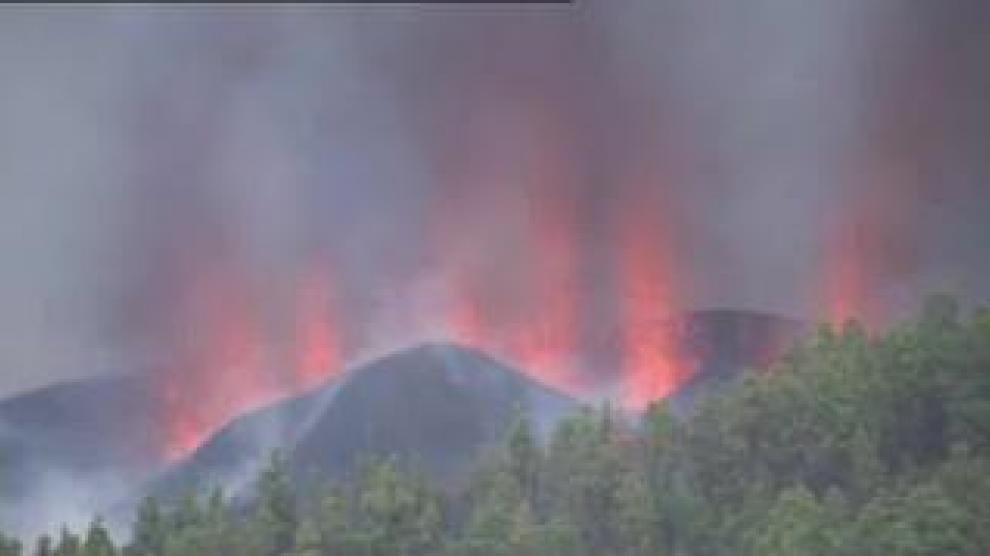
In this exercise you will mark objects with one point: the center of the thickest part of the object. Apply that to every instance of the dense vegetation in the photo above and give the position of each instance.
(853, 445)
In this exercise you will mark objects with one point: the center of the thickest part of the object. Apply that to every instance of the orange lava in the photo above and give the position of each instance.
(505, 236)
(317, 338)
(225, 369)
(220, 372)
(846, 291)
(652, 365)
(513, 287)
(526, 303)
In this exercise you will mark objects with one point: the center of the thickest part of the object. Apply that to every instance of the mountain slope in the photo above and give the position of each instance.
(434, 405)
(438, 404)
(98, 425)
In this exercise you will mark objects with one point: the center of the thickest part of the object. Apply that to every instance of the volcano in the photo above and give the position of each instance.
(93, 426)
(434, 406)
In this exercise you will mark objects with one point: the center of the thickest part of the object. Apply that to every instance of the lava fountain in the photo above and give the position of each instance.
(652, 365)
(220, 370)
(226, 366)
(317, 342)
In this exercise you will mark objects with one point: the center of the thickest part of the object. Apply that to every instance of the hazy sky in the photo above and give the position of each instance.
(139, 142)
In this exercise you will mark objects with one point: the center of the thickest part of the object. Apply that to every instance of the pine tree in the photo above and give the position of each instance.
(398, 513)
(149, 531)
(920, 522)
(494, 518)
(69, 543)
(217, 530)
(334, 522)
(275, 518)
(308, 540)
(98, 541)
(797, 525)
(9, 547)
(523, 454)
(44, 546)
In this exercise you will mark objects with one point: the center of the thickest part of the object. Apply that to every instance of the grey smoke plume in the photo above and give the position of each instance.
(140, 144)
(166, 172)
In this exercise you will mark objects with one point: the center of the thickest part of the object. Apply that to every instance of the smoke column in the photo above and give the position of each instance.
(272, 196)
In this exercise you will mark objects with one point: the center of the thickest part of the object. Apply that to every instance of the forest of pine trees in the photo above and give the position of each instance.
(854, 445)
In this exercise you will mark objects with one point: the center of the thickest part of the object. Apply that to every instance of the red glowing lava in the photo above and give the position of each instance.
(521, 307)
(225, 369)
(220, 371)
(846, 287)
(317, 339)
(522, 299)
(653, 367)
(514, 285)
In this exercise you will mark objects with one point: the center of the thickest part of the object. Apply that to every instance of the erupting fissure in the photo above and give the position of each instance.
(219, 371)
(227, 367)
(652, 365)
(527, 307)
(542, 336)
(515, 266)
(317, 339)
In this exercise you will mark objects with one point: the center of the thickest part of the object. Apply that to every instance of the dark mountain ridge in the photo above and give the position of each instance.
(97, 425)
(435, 406)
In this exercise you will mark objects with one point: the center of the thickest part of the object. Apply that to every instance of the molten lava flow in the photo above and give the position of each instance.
(653, 368)
(221, 370)
(845, 285)
(465, 318)
(514, 282)
(224, 368)
(317, 340)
